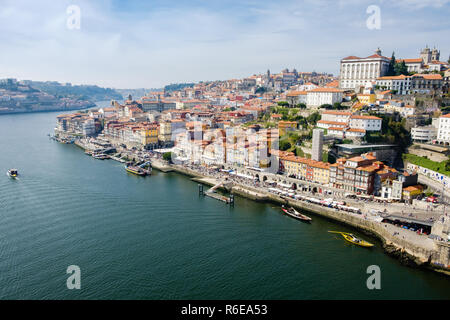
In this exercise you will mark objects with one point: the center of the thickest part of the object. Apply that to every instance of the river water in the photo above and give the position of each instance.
(155, 238)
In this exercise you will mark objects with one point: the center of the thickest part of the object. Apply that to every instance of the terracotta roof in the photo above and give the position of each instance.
(400, 77)
(296, 93)
(365, 117)
(419, 60)
(336, 123)
(325, 90)
(342, 113)
(413, 188)
(356, 130)
(428, 76)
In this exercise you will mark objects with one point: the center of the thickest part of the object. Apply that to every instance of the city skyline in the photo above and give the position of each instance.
(135, 45)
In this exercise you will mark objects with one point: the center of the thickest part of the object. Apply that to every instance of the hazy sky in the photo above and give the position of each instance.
(133, 44)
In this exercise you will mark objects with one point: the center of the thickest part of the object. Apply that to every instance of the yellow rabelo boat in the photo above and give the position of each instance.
(353, 239)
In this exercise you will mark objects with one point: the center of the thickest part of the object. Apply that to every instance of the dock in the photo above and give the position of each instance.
(212, 194)
(117, 159)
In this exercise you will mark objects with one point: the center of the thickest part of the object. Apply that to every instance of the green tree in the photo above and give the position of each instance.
(168, 156)
(285, 145)
(301, 106)
(313, 118)
(260, 90)
(391, 67)
(283, 103)
(401, 68)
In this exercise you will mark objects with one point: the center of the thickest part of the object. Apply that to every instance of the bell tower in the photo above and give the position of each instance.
(435, 55)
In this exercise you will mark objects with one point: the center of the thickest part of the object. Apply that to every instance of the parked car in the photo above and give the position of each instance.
(432, 199)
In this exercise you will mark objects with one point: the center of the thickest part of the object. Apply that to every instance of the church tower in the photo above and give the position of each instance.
(426, 55)
(435, 55)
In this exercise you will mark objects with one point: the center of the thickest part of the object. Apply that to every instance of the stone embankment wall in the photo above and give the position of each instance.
(406, 251)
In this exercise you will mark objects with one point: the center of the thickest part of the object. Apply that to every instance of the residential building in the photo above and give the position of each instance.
(443, 136)
(306, 169)
(296, 97)
(367, 123)
(319, 96)
(417, 83)
(424, 134)
(355, 175)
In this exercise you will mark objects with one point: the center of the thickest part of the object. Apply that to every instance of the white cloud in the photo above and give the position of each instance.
(153, 46)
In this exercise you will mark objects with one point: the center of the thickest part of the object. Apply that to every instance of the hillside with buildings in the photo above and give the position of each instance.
(34, 96)
(307, 125)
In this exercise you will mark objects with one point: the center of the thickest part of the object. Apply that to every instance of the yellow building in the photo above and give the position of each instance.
(306, 169)
(412, 192)
(321, 172)
(149, 134)
(285, 126)
(367, 98)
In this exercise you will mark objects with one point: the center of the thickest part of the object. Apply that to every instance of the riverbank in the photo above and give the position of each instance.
(408, 247)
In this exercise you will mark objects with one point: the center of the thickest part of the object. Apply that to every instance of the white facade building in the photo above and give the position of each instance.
(319, 96)
(443, 135)
(423, 134)
(336, 116)
(356, 71)
(367, 123)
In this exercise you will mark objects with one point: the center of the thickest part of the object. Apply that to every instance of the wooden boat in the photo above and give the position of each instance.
(353, 239)
(296, 215)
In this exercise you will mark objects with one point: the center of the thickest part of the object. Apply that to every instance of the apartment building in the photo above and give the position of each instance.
(354, 175)
(306, 169)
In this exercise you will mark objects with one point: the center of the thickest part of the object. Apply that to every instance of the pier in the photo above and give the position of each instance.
(212, 194)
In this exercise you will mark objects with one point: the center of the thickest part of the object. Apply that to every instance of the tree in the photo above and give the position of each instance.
(338, 106)
(313, 118)
(285, 145)
(326, 106)
(283, 103)
(401, 68)
(167, 156)
(260, 90)
(391, 67)
(301, 106)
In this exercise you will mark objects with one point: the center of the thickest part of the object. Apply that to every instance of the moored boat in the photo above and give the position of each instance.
(100, 156)
(353, 239)
(296, 215)
(136, 170)
(13, 173)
